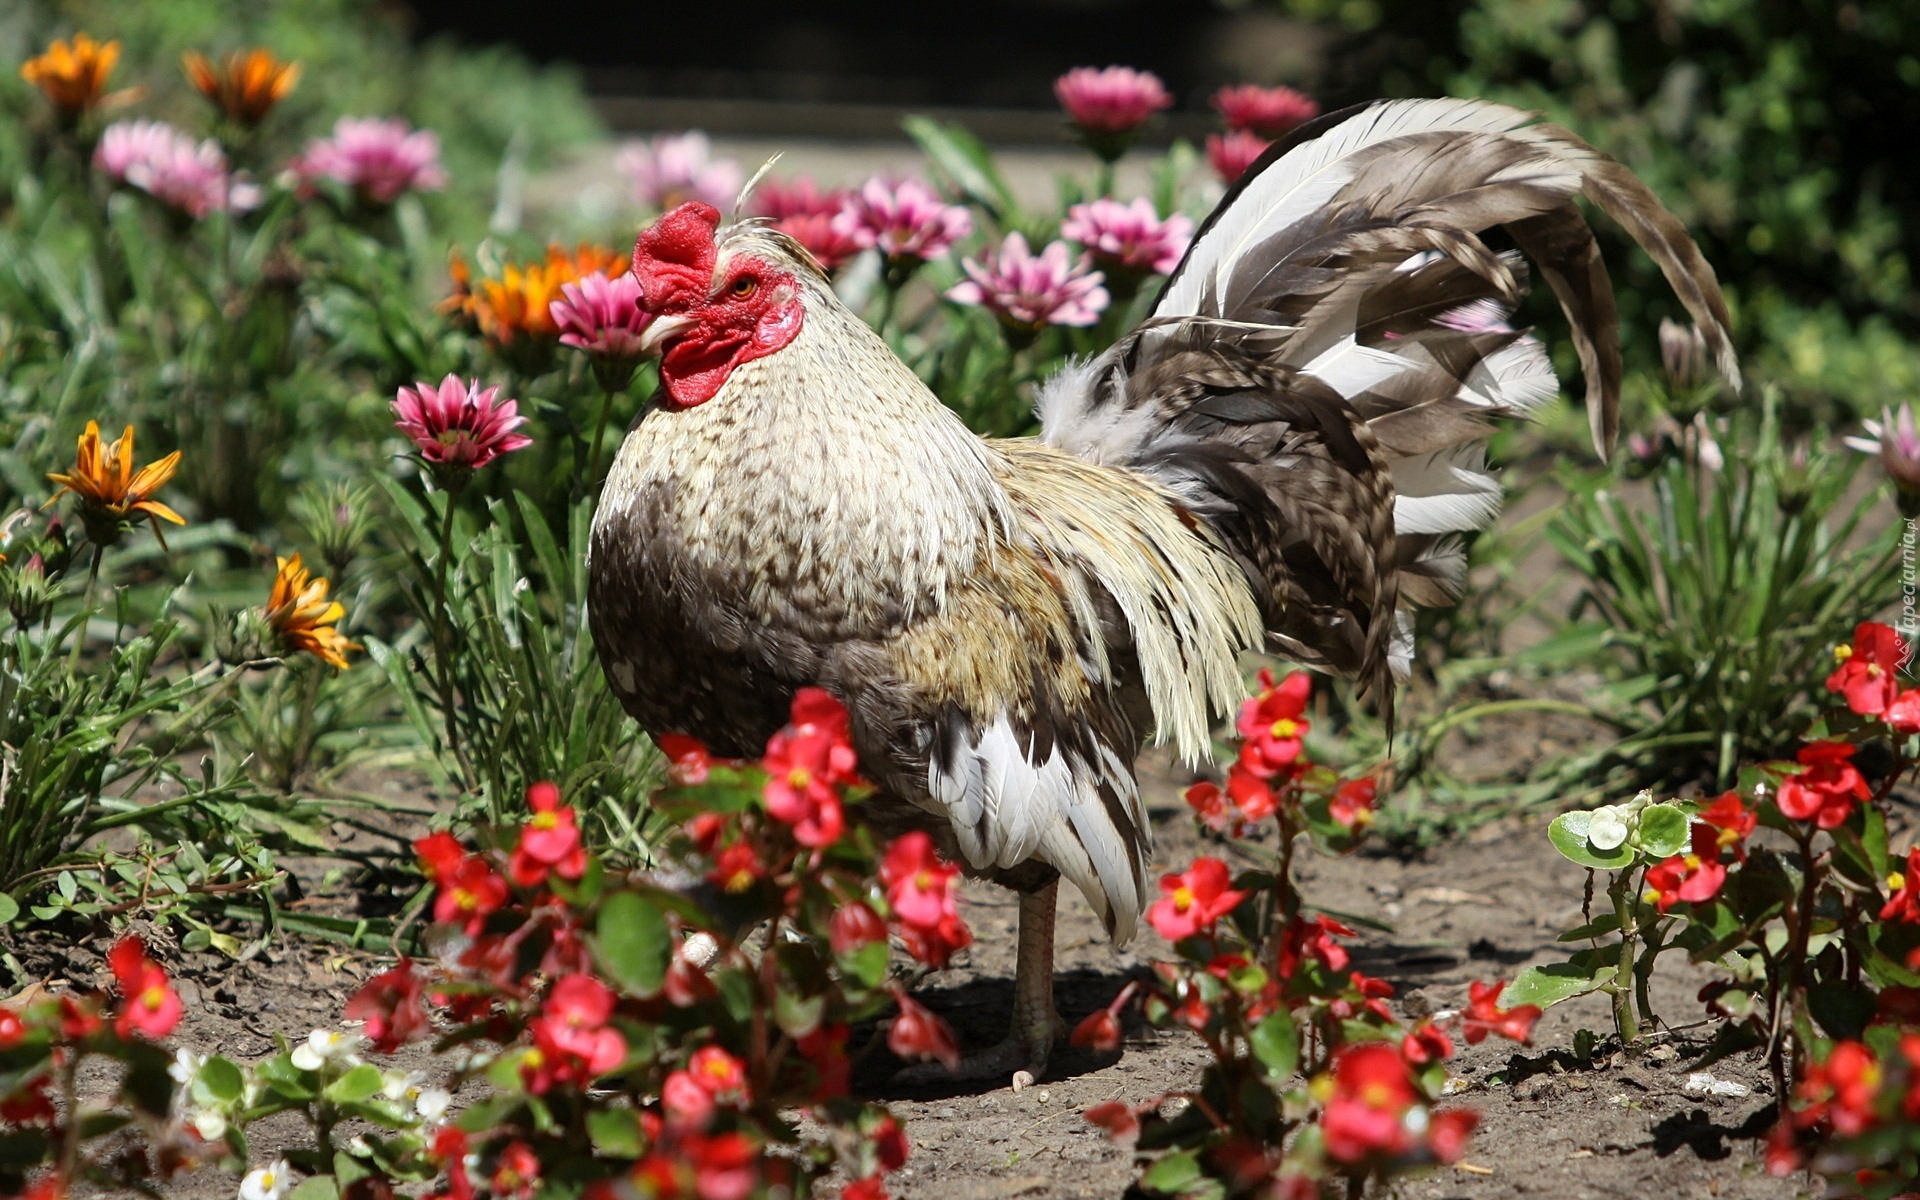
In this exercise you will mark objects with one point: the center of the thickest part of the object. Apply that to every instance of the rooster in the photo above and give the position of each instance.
(1279, 458)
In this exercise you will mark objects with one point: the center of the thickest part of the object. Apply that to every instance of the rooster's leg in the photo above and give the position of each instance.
(1035, 1024)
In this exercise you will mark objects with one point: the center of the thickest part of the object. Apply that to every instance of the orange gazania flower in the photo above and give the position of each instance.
(300, 614)
(112, 495)
(73, 76)
(246, 86)
(518, 304)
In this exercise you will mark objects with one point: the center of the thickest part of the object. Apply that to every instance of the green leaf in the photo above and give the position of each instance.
(316, 1187)
(961, 157)
(1663, 830)
(868, 964)
(1172, 1174)
(615, 1132)
(797, 1015)
(633, 942)
(9, 909)
(1548, 985)
(1568, 833)
(221, 1080)
(357, 1084)
(1276, 1043)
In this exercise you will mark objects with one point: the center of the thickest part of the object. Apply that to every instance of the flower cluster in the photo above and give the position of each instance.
(811, 216)
(1866, 674)
(1313, 1079)
(45, 1041)
(632, 1006)
(1108, 105)
(667, 171)
(905, 220)
(302, 618)
(1271, 770)
(1028, 291)
(1895, 440)
(188, 176)
(112, 495)
(526, 303)
(807, 763)
(246, 86)
(1129, 239)
(459, 426)
(1696, 874)
(1268, 112)
(922, 893)
(73, 75)
(1254, 117)
(377, 159)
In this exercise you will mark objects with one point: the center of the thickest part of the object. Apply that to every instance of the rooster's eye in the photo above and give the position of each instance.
(744, 287)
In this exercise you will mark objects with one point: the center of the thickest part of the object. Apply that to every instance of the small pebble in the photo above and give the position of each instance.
(1702, 1083)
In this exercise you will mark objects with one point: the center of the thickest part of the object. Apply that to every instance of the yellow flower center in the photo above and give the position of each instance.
(1285, 727)
(1897, 881)
(545, 820)
(1376, 1095)
(1692, 862)
(1182, 898)
(1842, 653)
(1874, 671)
(799, 777)
(739, 881)
(1727, 837)
(154, 997)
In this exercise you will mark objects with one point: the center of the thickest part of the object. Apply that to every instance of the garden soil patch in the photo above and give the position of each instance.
(1478, 908)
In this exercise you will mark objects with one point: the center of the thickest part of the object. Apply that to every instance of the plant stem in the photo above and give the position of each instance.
(86, 610)
(1792, 994)
(304, 735)
(443, 638)
(1625, 1023)
(599, 430)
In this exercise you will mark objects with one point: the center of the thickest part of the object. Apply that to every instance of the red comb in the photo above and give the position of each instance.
(673, 258)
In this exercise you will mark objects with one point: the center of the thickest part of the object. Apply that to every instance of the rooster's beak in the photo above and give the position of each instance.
(661, 329)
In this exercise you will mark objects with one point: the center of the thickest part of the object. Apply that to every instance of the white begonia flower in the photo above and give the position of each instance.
(324, 1046)
(431, 1104)
(270, 1182)
(396, 1086)
(186, 1066)
(1607, 827)
(209, 1123)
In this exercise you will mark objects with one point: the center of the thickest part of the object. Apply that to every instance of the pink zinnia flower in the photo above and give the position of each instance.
(1267, 112)
(827, 237)
(1130, 236)
(1896, 439)
(459, 424)
(1029, 292)
(380, 159)
(172, 168)
(904, 220)
(600, 315)
(1232, 153)
(797, 197)
(670, 170)
(1110, 100)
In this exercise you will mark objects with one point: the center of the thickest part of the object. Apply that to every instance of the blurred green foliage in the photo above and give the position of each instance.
(1776, 129)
